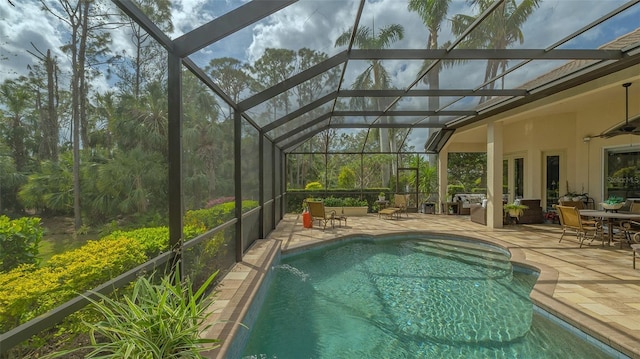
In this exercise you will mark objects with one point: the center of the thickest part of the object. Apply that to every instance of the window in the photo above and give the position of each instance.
(622, 173)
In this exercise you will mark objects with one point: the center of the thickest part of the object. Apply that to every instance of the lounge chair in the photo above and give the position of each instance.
(317, 212)
(389, 212)
(571, 220)
(400, 202)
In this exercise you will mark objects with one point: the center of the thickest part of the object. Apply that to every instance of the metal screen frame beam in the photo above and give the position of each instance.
(129, 8)
(485, 54)
(305, 137)
(227, 24)
(378, 113)
(299, 112)
(293, 81)
(434, 92)
(237, 179)
(311, 123)
(568, 82)
(175, 160)
(386, 125)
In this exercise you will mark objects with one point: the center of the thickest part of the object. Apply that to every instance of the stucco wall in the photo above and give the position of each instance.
(560, 123)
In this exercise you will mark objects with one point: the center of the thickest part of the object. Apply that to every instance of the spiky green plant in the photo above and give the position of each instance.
(155, 321)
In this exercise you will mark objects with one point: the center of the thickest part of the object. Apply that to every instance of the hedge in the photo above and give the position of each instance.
(28, 291)
(295, 197)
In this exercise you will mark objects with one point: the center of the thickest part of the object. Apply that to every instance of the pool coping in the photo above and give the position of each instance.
(237, 291)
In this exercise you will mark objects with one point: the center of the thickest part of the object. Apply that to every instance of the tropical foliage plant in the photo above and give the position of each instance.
(153, 321)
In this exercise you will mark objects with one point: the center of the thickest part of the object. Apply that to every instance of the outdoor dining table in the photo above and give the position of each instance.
(610, 216)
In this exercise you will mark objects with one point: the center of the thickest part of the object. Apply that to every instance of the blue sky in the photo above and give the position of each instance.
(316, 24)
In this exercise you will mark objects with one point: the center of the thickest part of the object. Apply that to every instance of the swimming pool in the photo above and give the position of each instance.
(415, 297)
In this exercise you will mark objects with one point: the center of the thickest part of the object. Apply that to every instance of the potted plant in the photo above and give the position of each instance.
(354, 207)
(613, 203)
(381, 196)
(515, 210)
(428, 185)
(347, 206)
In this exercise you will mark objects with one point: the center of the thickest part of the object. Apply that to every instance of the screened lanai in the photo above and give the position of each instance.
(253, 92)
(327, 78)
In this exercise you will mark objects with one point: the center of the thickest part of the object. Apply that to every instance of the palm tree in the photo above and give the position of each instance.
(433, 13)
(498, 31)
(375, 76)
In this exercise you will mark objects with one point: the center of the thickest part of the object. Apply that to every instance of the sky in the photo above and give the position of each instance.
(316, 24)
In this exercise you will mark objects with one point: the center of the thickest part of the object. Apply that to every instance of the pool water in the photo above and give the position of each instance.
(412, 298)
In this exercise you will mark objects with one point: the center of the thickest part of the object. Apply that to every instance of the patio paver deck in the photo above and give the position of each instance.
(594, 288)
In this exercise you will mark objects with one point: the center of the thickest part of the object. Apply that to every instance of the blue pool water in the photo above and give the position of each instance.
(412, 298)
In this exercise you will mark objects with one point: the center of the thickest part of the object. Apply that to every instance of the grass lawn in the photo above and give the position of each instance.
(58, 237)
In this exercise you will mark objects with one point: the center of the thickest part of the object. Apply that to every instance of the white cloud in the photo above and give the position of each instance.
(20, 26)
(311, 24)
(187, 15)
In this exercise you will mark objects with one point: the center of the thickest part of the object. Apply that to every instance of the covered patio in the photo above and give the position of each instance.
(593, 288)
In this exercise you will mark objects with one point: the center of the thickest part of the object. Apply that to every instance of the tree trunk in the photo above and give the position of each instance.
(75, 115)
(51, 129)
(82, 55)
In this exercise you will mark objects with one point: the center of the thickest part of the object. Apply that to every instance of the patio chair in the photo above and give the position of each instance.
(570, 220)
(400, 202)
(317, 212)
(579, 205)
(635, 250)
(630, 228)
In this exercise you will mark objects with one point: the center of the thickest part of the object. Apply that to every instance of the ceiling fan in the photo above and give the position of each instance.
(631, 126)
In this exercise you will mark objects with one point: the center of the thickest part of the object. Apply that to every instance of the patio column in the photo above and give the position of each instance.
(494, 174)
(443, 158)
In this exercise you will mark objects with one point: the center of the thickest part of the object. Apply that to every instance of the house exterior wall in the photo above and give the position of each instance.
(560, 123)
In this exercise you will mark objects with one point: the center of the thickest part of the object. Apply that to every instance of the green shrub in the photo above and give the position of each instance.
(452, 189)
(354, 202)
(333, 202)
(313, 186)
(344, 202)
(27, 291)
(346, 178)
(153, 240)
(216, 215)
(295, 198)
(19, 241)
